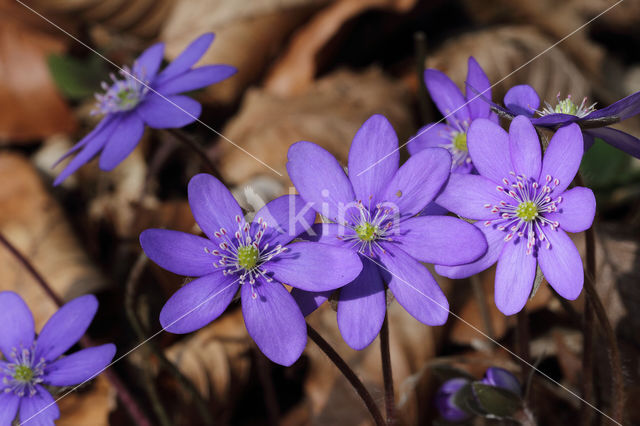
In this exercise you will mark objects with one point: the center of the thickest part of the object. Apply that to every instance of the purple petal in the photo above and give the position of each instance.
(522, 99)
(469, 196)
(418, 181)
(123, 140)
(9, 402)
(17, 323)
(589, 140)
(495, 243)
(576, 211)
(362, 307)
(414, 287)
(433, 135)
(501, 378)
(446, 96)
(434, 209)
(524, 146)
(444, 400)
(488, 147)
(80, 366)
(274, 321)
(562, 265)
(442, 240)
(552, 120)
(621, 140)
(514, 277)
(622, 109)
(330, 233)
(373, 159)
(477, 84)
(196, 79)
(66, 327)
(189, 56)
(213, 206)
(320, 180)
(167, 112)
(286, 218)
(179, 252)
(39, 409)
(309, 301)
(562, 157)
(88, 137)
(315, 267)
(149, 61)
(198, 303)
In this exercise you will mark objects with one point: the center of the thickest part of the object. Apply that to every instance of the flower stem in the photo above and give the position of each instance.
(348, 373)
(195, 147)
(587, 364)
(387, 373)
(522, 337)
(122, 391)
(478, 291)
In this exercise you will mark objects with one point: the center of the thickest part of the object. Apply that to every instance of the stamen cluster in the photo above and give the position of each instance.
(567, 106)
(371, 227)
(23, 372)
(123, 94)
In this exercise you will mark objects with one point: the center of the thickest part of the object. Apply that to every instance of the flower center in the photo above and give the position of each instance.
(248, 257)
(567, 106)
(22, 372)
(527, 211)
(459, 141)
(370, 227)
(123, 94)
(367, 231)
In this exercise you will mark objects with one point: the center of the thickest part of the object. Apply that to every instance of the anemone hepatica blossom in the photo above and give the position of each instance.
(31, 363)
(459, 110)
(142, 96)
(253, 257)
(523, 100)
(373, 214)
(522, 206)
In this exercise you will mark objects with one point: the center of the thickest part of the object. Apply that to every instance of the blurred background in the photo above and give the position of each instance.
(307, 70)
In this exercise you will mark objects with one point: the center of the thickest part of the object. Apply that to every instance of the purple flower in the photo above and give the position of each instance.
(459, 110)
(128, 103)
(445, 400)
(522, 206)
(31, 362)
(372, 213)
(501, 378)
(253, 257)
(523, 100)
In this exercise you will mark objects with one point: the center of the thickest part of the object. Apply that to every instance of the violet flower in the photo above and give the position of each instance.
(253, 257)
(128, 104)
(523, 100)
(31, 362)
(501, 378)
(445, 400)
(522, 205)
(372, 213)
(448, 98)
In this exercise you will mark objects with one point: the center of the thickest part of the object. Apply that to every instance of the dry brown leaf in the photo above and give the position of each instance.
(88, 406)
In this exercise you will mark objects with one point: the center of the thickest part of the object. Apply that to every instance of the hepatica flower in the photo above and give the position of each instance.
(372, 213)
(460, 111)
(31, 363)
(523, 100)
(254, 257)
(522, 205)
(141, 96)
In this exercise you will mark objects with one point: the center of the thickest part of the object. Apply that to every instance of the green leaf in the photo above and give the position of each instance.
(465, 400)
(75, 78)
(496, 402)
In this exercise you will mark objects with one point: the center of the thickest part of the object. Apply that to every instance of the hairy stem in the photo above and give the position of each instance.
(387, 372)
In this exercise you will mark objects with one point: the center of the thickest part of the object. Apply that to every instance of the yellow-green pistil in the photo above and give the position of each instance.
(527, 211)
(367, 232)
(23, 374)
(460, 141)
(566, 106)
(248, 257)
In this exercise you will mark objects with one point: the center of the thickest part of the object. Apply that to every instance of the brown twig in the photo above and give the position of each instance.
(387, 372)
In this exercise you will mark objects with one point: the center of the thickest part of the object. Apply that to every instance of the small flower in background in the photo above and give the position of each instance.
(448, 98)
(128, 104)
(253, 257)
(501, 378)
(524, 100)
(31, 363)
(522, 205)
(445, 401)
(372, 210)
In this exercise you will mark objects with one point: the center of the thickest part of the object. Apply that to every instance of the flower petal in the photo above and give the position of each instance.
(212, 205)
(17, 323)
(189, 56)
(524, 146)
(442, 240)
(418, 181)
(304, 265)
(66, 327)
(320, 180)
(562, 157)
(514, 277)
(286, 218)
(621, 140)
(179, 252)
(488, 147)
(477, 83)
(446, 95)
(309, 301)
(166, 112)
(553, 120)
(362, 307)
(414, 287)
(40, 409)
(562, 265)
(522, 99)
(148, 63)
(622, 109)
(433, 135)
(198, 302)
(502, 378)
(373, 158)
(274, 321)
(9, 402)
(469, 196)
(88, 137)
(196, 79)
(330, 233)
(576, 211)
(123, 140)
(80, 366)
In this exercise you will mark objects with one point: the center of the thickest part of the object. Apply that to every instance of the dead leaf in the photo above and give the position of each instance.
(91, 404)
